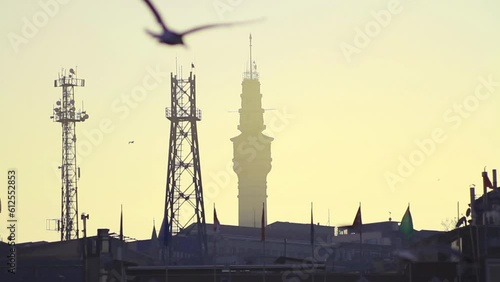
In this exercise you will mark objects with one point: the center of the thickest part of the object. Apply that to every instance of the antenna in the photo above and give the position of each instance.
(328, 217)
(65, 113)
(254, 219)
(251, 71)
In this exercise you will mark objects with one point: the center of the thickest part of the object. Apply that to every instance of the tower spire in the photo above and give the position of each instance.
(251, 62)
(251, 70)
(121, 223)
(154, 236)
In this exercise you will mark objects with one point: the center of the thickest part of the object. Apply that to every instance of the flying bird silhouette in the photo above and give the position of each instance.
(175, 38)
(131, 142)
(419, 254)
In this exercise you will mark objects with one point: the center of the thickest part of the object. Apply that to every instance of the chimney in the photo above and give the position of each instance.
(103, 240)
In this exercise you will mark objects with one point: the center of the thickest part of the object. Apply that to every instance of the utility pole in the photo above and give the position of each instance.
(84, 217)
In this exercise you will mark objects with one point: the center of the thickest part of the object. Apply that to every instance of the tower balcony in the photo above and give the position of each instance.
(69, 81)
(252, 75)
(181, 113)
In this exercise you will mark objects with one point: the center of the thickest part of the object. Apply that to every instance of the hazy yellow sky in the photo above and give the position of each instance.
(364, 91)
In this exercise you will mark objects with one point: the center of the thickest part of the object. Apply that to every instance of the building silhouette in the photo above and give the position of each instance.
(251, 151)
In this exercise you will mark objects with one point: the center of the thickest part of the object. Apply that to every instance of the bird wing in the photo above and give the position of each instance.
(157, 15)
(216, 25)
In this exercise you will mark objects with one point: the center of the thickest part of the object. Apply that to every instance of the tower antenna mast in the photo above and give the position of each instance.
(65, 113)
(251, 62)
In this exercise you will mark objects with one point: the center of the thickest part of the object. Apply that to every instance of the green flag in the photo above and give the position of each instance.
(406, 226)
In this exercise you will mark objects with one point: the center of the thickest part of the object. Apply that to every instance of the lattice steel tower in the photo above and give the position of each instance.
(184, 185)
(65, 113)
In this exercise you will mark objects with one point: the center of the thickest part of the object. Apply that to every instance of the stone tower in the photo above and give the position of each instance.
(251, 151)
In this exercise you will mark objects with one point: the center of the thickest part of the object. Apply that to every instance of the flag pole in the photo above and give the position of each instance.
(360, 238)
(459, 242)
(215, 247)
(409, 237)
(312, 241)
(475, 244)
(165, 244)
(264, 272)
(122, 249)
(485, 208)
(357, 227)
(263, 238)
(459, 238)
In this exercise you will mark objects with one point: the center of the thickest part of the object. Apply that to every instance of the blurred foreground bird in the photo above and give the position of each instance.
(174, 38)
(419, 254)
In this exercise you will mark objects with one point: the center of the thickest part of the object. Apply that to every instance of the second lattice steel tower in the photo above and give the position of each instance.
(184, 186)
(65, 113)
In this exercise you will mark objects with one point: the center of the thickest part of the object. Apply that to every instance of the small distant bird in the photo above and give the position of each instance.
(192, 65)
(174, 38)
(131, 142)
